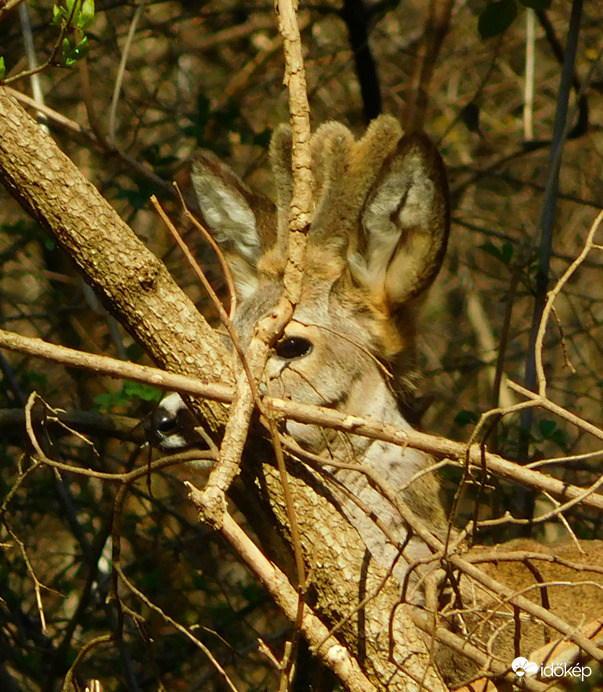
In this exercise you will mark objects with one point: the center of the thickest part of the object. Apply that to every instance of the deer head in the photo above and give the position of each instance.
(376, 242)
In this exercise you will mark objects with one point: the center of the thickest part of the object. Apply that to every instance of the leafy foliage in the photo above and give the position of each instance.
(74, 14)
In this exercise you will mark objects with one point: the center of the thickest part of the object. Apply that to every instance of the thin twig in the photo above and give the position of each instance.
(538, 400)
(122, 70)
(314, 415)
(176, 625)
(232, 294)
(588, 246)
(546, 223)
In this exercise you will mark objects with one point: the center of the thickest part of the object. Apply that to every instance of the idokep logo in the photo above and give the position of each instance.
(562, 670)
(522, 667)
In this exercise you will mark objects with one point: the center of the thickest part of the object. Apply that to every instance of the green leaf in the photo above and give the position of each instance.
(57, 14)
(86, 14)
(549, 431)
(32, 380)
(560, 439)
(72, 54)
(503, 254)
(491, 249)
(137, 390)
(152, 155)
(66, 47)
(547, 428)
(134, 352)
(76, 14)
(123, 398)
(2, 68)
(507, 253)
(496, 18)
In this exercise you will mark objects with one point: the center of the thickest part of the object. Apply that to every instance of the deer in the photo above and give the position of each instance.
(377, 240)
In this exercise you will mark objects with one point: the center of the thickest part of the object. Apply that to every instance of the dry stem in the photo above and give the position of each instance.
(552, 294)
(301, 158)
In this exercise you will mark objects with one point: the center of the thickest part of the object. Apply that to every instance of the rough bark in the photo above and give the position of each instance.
(342, 575)
(132, 283)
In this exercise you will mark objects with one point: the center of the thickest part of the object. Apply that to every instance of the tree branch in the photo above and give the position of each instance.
(133, 284)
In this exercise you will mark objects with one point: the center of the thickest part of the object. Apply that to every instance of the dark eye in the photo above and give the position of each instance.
(293, 347)
(165, 422)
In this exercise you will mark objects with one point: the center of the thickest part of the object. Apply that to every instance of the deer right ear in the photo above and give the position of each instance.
(405, 222)
(242, 221)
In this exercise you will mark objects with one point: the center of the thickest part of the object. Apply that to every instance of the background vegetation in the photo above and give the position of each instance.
(160, 79)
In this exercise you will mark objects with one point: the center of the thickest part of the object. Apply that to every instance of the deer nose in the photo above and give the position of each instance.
(172, 426)
(165, 423)
(159, 425)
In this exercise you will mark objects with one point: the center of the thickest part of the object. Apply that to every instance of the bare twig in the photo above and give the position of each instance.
(565, 654)
(301, 159)
(235, 434)
(538, 400)
(544, 229)
(550, 299)
(242, 78)
(113, 367)
(95, 137)
(462, 647)
(176, 625)
(8, 6)
(304, 413)
(436, 28)
(528, 80)
(122, 70)
(207, 236)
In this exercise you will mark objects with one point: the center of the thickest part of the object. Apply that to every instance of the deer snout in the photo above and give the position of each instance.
(171, 426)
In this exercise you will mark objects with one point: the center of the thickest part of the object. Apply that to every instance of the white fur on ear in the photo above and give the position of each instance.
(227, 213)
(405, 225)
(402, 200)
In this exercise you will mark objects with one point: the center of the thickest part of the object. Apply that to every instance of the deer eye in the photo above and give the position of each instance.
(293, 347)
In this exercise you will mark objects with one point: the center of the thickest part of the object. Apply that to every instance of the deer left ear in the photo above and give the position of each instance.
(242, 221)
(405, 223)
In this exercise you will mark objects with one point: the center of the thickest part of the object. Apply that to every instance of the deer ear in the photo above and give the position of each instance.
(241, 220)
(405, 224)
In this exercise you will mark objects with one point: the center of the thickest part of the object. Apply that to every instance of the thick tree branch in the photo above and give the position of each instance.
(133, 284)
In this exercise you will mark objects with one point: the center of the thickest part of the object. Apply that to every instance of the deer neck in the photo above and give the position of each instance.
(393, 468)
